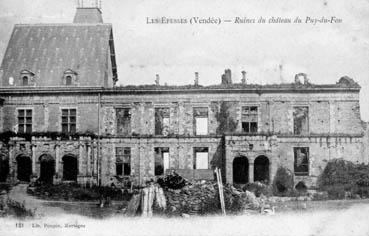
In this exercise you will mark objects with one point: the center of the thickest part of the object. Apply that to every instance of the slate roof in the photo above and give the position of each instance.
(88, 15)
(48, 50)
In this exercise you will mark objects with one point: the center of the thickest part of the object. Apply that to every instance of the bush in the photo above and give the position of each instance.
(283, 182)
(259, 188)
(340, 176)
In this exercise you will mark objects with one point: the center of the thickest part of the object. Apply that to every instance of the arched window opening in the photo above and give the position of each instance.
(25, 80)
(68, 80)
(261, 169)
(24, 168)
(47, 169)
(4, 168)
(70, 168)
(240, 170)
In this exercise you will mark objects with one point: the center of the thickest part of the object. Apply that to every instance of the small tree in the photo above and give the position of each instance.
(283, 182)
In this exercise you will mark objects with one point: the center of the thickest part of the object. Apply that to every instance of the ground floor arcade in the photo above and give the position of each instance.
(242, 159)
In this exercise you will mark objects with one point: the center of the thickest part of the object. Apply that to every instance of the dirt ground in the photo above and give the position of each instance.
(343, 217)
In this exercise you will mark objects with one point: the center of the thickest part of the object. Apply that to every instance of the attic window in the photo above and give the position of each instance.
(25, 80)
(69, 78)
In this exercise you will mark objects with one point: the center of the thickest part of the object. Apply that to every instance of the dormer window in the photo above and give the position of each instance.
(26, 78)
(70, 78)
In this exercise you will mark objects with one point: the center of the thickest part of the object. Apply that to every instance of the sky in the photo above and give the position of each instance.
(325, 52)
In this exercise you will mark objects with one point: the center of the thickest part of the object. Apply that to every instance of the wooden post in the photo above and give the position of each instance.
(220, 187)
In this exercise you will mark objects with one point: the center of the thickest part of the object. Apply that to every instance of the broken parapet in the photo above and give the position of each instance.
(346, 81)
(299, 76)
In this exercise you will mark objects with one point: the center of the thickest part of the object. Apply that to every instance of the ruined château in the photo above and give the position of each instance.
(63, 118)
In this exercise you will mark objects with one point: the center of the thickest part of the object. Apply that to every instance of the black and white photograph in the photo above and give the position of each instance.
(184, 117)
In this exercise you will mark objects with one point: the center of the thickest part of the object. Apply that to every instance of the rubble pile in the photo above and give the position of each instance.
(202, 197)
(196, 198)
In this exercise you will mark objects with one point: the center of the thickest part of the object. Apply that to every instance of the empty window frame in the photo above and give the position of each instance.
(69, 120)
(301, 120)
(123, 121)
(123, 161)
(25, 121)
(249, 119)
(201, 158)
(162, 120)
(200, 120)
(301, 163)
(161, 160)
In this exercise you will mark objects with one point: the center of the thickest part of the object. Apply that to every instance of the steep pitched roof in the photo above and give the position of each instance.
(48, 50)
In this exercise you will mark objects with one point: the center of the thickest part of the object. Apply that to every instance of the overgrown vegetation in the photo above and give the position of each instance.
(283, 182)
(225, 121)
(75, 192)
(259, 189)
(7, 135)
(344, 179)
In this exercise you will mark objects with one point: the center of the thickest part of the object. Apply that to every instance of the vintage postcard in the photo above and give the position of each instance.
(174, 117)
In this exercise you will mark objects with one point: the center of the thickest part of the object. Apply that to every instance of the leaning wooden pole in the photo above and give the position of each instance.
(220, 188)
(222, 191)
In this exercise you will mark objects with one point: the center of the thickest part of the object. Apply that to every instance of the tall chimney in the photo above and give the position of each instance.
(227, 77)
(157, 80)
(196, 78)
(243, 80)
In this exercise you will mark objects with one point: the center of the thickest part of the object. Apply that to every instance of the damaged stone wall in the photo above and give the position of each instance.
(84, 149)
(181, 153)
(334, 130)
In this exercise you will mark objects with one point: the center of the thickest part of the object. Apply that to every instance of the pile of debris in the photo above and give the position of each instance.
(176, 196)
(196, 198)
(202, 197)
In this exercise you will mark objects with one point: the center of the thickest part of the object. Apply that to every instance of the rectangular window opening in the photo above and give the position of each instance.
(162, 121)
(201, 158)
(161, 160)
(123, 117)
(200, 115)
(69, 120)
(249, 119)
(123, 161)
(25, 121)
(301, 120)
(301, 162)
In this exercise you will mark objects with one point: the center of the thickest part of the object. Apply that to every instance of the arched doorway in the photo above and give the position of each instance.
(261, 169)
(24, 168)
(70, 168)
(47, 168)
(4, 167)
(240, 170)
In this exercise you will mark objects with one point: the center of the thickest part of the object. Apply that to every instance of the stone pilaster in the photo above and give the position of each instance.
(251, 172)
(34, 157)
(80, 159)
(58, 161)
(88, 171)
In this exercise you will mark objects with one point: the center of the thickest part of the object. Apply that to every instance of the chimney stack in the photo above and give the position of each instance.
(243, 80)
(298, 76)
(227, 77)
(196, 78)
(157, 80)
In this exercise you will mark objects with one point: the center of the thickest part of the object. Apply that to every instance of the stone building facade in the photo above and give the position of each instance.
(64, 119)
